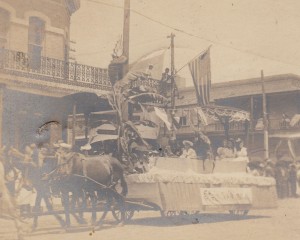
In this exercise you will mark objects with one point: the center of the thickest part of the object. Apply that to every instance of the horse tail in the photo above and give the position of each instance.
(118, 171)
(123, 184)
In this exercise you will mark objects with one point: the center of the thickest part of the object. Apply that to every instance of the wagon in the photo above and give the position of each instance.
(188, 186)
(176, 186)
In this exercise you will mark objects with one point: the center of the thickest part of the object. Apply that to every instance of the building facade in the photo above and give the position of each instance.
(283, 102)
(35, 68)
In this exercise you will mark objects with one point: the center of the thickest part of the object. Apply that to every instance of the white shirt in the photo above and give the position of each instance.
(190, 153)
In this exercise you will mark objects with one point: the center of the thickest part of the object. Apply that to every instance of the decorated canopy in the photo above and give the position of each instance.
(216, 112)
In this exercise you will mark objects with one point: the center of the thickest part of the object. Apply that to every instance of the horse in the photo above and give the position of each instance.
(8, 209)
(95, 174)
(34, 179)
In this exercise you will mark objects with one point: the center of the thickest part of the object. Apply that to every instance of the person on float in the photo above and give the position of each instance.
(225, 151)
(241, 150)
(188, 151)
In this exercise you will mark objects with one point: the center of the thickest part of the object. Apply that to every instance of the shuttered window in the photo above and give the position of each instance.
(36, 34)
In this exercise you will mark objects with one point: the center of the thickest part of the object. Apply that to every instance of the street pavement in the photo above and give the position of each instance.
(282, 223)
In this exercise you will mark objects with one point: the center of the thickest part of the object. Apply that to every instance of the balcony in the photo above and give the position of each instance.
(53, 70)
(274, 125)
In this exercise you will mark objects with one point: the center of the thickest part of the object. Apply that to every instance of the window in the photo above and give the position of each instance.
(4, 26)
(183, 121)
(36, 36)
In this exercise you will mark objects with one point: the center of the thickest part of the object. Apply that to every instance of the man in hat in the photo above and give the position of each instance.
(188, 151)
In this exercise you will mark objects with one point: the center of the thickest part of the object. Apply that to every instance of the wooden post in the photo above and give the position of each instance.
(266, 134)
(74, 125)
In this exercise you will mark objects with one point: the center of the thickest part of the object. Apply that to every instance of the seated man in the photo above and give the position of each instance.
(188, 151)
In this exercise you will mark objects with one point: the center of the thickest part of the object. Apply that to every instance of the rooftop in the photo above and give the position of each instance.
(245, 87)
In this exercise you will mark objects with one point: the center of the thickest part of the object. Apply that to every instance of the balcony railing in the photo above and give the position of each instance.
(274, 124)
(53, 70)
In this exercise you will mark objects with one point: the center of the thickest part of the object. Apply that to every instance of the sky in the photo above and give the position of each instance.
(247, 36)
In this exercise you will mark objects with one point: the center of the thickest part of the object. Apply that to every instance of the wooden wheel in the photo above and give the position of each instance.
(117, 214)
(168, 213)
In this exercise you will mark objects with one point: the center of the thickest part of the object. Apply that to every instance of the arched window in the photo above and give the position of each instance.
(36, 36)
(4, 26)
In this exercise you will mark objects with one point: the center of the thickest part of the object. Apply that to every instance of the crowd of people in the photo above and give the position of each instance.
(285, 173)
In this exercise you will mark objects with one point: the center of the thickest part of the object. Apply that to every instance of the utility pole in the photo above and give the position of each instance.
(265, 119)
(126, 29)
(172, 36)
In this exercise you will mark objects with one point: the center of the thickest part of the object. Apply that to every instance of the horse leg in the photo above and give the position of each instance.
(106, 207)
(37, 206)
(94, 206)
(82, 207)
(50, 208)
(66, 199)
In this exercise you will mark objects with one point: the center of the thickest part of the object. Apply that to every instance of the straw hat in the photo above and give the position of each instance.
(187, 143)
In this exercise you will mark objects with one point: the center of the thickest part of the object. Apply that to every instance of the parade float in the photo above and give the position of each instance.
(175, 185)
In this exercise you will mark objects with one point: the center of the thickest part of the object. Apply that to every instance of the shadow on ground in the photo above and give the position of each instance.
(191, 219)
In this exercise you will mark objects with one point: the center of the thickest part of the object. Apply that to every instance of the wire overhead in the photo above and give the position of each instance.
(194, 35)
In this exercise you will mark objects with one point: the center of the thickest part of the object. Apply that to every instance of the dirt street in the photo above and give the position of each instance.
(276, 224)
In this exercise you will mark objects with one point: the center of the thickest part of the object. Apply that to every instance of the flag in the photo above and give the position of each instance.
(200, 71)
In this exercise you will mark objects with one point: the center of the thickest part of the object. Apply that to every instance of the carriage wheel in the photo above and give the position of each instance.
(239, 212)
(117, 214)
(168, 213)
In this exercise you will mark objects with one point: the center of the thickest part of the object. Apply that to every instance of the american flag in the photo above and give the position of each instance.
(200, 70)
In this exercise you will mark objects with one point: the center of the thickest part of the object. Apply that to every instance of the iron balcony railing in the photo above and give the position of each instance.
(54, 70)
(274, 124)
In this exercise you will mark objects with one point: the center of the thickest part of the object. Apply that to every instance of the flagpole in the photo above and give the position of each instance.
(172, 36)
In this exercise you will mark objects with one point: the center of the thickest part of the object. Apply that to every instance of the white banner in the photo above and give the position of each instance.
(226, 196)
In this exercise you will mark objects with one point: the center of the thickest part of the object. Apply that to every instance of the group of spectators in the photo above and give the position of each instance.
(285, 173)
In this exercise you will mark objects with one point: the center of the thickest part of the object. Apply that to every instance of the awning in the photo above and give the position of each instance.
(234, 114)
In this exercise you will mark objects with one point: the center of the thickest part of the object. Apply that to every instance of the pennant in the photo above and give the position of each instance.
(200, 71)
